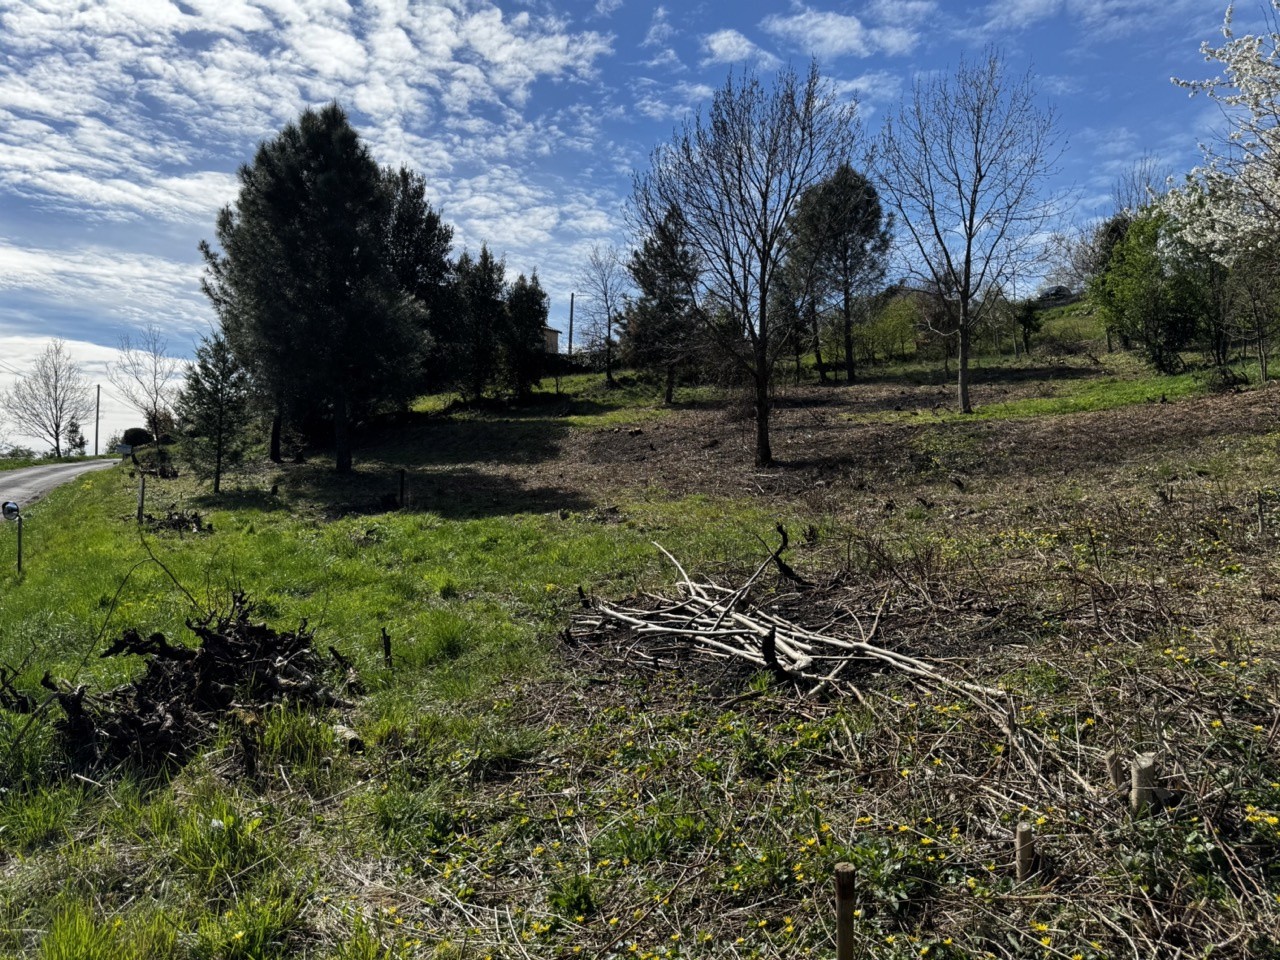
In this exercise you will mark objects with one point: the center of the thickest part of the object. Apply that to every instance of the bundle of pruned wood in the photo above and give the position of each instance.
(178, 521)
(720, 621)
(164, 715)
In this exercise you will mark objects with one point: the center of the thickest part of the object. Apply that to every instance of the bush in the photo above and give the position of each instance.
(136, 437)
(1224, 380)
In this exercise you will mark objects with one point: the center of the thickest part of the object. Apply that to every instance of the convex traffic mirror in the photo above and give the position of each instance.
(10, 510)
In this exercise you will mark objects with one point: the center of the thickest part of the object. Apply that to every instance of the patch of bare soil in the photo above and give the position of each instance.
(824, 454)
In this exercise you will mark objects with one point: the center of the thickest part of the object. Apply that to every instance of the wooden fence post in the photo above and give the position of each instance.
(1115, 769)
(846, 876)
(1024, 850)
(1144, 783)
(142, 493)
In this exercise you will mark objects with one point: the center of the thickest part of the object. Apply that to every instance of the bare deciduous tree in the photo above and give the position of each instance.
(146, 376)
(735, 175)
(604, 280)
(45, 400)
(963, 162)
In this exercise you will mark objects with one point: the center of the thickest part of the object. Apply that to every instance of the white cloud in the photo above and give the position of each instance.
(822, 33)
(729, 46)
(901, 11)
(673, 103)
(877, 86)
(108, 103)
(1020, 13)
(660, 29)
(1062, 85)
(125, 289)
(606, 7)
(665, 58)
(1102, 17)
(896, 29)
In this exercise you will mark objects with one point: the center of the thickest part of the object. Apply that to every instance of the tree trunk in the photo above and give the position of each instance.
(277, 424)
(608, 352)
(341, 433)
(848, 338)
(671, 384)
(764, 453)
(817, 344)
(962, 364)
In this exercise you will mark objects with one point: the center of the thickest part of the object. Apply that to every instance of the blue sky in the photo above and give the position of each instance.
(122, 122)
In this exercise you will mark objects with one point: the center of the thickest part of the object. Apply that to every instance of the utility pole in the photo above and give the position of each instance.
(571, 324)
(97, 412)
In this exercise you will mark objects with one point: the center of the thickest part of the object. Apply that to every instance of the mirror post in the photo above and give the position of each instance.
(9, 510)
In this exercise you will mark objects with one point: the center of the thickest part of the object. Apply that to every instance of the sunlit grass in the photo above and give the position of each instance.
(583, 803)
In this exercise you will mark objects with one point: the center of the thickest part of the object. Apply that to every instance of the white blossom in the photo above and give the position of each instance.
(1232, 202)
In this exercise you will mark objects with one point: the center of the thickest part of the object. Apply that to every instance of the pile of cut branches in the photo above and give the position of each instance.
(163, 716)
(721, 622)
(177, 521)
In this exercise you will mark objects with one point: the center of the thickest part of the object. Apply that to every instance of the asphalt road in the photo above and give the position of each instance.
(29, 484)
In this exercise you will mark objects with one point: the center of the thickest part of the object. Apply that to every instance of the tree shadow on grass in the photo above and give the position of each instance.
(238, 499)
(455, 494)
(419, 440)
(978, 376)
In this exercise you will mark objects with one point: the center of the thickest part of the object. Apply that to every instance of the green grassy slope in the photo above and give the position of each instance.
(519, 796)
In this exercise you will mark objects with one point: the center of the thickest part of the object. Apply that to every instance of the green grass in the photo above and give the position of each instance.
(468, 603)
(516, 799)
(444, 589)
(1105, 394)
(1119, 381)
(583, 402)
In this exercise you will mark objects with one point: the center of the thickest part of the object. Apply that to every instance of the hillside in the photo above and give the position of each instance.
(1095, 548)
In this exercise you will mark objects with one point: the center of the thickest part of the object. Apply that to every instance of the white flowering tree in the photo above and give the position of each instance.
(1232, 202)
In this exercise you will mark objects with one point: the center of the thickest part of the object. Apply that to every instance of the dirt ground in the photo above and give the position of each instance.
(829, 449)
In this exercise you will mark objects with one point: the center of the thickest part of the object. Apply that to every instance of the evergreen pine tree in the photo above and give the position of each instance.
(524, 345)
(213, 410)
